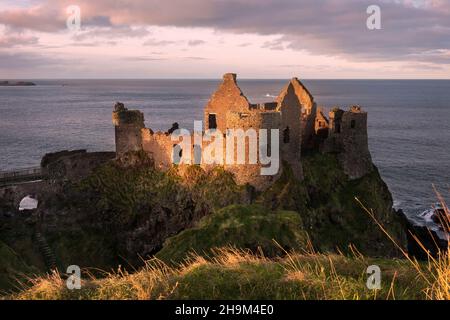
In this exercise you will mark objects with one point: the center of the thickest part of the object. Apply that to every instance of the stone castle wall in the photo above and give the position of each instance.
(227, 97)
(128, 125)
(348, 138)
(290, 108)
(301, 125)
(308, 112)
(254, 119)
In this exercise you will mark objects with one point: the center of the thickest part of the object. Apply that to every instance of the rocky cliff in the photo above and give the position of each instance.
(126, 210)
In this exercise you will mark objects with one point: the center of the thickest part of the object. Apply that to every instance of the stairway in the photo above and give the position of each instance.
(49, 257)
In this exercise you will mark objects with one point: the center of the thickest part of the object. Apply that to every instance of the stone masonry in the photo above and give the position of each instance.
(301, 125)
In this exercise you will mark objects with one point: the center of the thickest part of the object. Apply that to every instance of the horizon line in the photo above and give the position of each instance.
(220, 78)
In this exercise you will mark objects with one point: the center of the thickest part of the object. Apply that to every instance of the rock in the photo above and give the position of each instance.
(426, 237)
(441, 218)
(16, 83)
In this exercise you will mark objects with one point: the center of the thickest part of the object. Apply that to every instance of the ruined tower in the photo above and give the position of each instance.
(229, 109)
(308, 112)
(128, 125)
(348, 138)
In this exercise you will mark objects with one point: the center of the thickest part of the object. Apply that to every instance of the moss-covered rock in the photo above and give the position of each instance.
(245, 227)
(336, 219)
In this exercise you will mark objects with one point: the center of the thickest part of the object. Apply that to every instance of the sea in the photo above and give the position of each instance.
(408, 121)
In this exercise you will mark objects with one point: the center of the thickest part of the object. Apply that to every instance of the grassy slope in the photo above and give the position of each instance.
(234, 274)
(12, 268)
(251, 227)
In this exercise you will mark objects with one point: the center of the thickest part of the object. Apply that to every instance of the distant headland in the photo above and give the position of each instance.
(16, 83)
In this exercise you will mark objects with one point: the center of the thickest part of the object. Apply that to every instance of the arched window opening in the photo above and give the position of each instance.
(353, 124)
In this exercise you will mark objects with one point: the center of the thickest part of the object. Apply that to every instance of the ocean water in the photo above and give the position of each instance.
(409, 121)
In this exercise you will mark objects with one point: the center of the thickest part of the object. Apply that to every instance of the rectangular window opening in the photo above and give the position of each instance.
(212, 121)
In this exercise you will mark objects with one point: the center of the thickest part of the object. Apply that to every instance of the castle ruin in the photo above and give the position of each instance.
(301, 124)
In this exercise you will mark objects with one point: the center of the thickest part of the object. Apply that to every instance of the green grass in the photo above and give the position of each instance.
(12, 268)
(250, 227)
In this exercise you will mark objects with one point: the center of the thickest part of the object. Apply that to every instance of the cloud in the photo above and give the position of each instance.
(25, 60)
(143, 58)
(93, 44)
(17, 40)
(194, 43)
(158, 43)
(410, 28)
(196, 58)
(111, 33)
(38, 18)
(274, 44)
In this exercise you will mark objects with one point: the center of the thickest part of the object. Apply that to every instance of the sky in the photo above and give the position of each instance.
(317, 39)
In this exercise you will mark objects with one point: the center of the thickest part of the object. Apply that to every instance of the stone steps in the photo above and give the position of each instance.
(49, 256)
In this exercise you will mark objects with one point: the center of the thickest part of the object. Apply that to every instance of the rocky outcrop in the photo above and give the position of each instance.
(421, 238)
(126, 210)
(16, 83)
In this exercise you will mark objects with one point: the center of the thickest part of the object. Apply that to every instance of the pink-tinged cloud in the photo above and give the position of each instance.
(248, 35)
(15, 40)
(322, 27)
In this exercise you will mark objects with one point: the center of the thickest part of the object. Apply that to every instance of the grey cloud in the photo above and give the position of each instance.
(143, 58)
(274, 45)
(194, 43)
(92, 43)
(25, 60)
(111, 33)
(330, 27)
(158, 43)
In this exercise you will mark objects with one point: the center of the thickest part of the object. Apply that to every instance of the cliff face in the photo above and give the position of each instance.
(125, 211)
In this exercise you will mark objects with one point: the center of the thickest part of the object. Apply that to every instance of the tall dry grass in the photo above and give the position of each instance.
(231, 273)
(436, 272)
